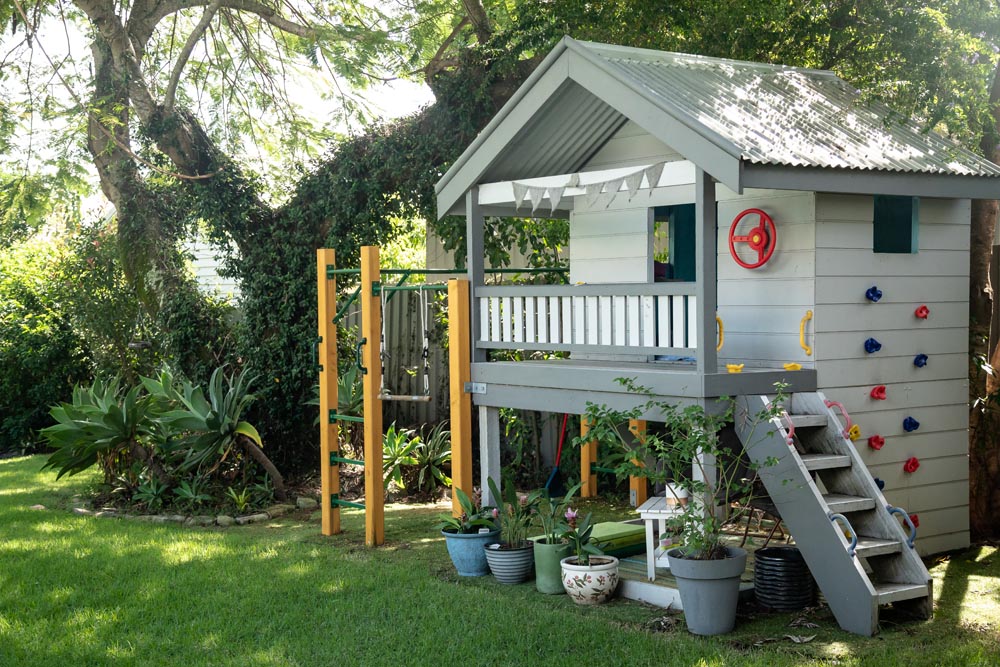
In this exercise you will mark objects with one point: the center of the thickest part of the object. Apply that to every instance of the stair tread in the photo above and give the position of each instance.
(876, 546)
(893, 592)
(839, 502)
(808, 421)
(825, 461)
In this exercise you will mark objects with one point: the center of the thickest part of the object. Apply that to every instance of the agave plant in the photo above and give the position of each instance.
(432, 457)
(102, 423)
(398, 447)
(211, 426)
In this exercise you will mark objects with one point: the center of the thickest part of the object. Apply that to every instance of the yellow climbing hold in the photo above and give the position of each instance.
(792, 366)
(855, 432)
(735, 368)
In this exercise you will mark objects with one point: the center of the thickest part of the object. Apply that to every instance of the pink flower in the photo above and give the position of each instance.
(496, 514)
(570, 514)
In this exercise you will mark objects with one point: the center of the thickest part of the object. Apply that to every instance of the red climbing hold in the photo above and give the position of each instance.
(876, 442)
(922, 312)
(915, 520)
(911, 464)
(878, 393)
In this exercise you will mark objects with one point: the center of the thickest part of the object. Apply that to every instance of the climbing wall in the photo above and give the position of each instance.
(891, 344)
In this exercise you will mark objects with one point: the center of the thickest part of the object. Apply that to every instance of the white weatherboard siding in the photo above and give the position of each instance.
(631, 146)
(761, 308)
(936, 276)
(611, 246)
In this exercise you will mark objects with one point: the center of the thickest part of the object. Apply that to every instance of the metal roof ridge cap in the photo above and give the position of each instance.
(651, 53)
(692, 123)
(504, 111)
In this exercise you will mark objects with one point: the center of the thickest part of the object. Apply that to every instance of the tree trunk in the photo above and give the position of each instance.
(260, 457)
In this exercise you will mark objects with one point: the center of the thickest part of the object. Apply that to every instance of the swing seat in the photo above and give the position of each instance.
(386, 396)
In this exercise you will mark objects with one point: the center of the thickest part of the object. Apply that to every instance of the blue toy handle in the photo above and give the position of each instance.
(854, 535)
(907, 520)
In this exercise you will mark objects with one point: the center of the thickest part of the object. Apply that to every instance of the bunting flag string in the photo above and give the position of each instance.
(603, 191)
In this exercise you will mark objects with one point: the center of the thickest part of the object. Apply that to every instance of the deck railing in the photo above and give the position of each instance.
(622, 318)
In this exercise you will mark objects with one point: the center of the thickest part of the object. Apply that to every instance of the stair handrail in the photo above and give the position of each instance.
(907, 520)
(852, 547)
(847, 429)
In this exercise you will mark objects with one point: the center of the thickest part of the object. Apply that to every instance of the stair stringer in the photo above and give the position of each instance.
(840, 576)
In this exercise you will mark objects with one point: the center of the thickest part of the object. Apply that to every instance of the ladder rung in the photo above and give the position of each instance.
(825, 461)
(841, 503)
(335, 501)
(889, 592)
(334, 460)
(334, 417)
(874, 546)
(808, 421)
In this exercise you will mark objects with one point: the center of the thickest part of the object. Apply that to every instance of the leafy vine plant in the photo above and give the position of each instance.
(687, 455)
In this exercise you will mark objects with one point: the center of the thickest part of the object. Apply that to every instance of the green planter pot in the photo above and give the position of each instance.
(548, 572)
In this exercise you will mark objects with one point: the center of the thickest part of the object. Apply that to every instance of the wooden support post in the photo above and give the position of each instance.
(371, 331)
(638, 489)
(489, 451)
(459, 359)
(588, 459)
(329, 431)
(706, 239)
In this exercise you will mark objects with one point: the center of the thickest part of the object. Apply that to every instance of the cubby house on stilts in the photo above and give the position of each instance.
(846, 278)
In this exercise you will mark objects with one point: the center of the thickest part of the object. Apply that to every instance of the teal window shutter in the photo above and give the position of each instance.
(896, 222)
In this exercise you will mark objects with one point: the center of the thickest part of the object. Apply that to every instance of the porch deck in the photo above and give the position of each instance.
(567, 385)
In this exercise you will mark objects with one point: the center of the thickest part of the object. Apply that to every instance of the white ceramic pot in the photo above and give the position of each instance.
(590, 584)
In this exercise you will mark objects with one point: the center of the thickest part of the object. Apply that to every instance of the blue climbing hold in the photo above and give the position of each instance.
(873, 294)
(910, 424)
(880, 483)
(872, 345)
(920, 360)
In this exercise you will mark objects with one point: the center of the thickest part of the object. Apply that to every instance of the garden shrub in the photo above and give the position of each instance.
(41, 355)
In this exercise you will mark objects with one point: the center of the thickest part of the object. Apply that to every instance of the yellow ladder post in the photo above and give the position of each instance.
(371, 331)
(638, 490)
(460, 371)
(588, 459)
(329, 431)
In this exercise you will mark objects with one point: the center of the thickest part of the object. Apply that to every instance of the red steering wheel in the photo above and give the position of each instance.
(762, 239)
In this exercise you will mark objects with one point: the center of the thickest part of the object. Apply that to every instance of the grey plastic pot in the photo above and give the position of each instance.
(710, 589)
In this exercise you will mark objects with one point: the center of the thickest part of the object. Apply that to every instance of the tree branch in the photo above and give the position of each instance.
(480, 21)
(182, 57)
(268, 14)
(437, 61)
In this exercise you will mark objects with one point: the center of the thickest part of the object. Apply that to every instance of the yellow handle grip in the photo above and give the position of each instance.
(722, 334)
(802, 333)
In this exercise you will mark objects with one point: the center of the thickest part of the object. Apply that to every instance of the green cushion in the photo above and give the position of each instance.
(617, 538)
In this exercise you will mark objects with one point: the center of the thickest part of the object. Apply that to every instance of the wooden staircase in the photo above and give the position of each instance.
(825, 494)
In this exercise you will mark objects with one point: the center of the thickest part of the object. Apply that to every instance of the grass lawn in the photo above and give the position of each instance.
(78, 591)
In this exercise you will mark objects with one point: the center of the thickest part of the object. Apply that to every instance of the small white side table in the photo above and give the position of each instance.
(656, 509)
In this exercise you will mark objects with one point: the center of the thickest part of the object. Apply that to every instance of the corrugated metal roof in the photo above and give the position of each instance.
(784, 115)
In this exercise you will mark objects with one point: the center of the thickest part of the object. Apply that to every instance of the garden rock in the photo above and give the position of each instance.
(252, 518)
(279, 510)
(304, 503)
(145, 517)
(37, 507)
(224, 520)
(82, 511)
(107, 514)
(200, 521)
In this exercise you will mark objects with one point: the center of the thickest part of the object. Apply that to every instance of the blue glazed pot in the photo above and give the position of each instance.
(466, 551)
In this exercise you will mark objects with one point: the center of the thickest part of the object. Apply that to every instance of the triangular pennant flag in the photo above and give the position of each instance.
(574, 181)
(632, 183)
(593, 192)
(520, 190)
(535, 194)
(611, 189)
(555, 195)
(652, 174)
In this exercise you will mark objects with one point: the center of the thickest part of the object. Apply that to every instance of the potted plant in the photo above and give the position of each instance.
(512, 557)
(466, 535)
(551, 547)
(588, 576)
(701, 473)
